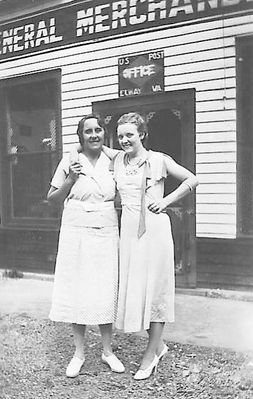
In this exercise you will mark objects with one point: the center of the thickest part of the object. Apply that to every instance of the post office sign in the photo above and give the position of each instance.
(141, 74)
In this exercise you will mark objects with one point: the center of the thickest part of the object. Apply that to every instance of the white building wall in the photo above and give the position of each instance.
(200, 56)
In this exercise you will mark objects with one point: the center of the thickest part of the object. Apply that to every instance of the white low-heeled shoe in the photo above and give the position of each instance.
(114, 363)
(146, 373)
(163, 352)
(74, 367)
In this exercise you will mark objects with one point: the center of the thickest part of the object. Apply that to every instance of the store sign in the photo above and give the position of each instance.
(141, 74)
(98, 19)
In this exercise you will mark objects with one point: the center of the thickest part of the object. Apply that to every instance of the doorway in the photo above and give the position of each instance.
(244, 49)
(170, 118)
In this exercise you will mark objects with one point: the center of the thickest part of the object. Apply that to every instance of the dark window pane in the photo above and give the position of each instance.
(30, 175)
(31, 113)
(31, 108)
(164, 127)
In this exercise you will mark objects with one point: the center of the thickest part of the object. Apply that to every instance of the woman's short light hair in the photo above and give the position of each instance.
(137, 120)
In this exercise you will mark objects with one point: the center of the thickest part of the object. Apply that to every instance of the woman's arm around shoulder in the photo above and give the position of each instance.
(110, 152)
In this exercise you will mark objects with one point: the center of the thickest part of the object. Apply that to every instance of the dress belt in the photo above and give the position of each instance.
(89, 206)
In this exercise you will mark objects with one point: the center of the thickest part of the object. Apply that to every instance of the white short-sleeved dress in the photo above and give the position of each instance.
(86, 275)
(147, 286)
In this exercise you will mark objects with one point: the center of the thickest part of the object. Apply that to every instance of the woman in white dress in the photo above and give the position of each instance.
(146, 288)
(86, 275)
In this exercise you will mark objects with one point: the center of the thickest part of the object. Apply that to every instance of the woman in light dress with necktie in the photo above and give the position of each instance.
(146, 279)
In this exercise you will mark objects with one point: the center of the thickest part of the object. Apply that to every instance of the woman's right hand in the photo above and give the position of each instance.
(74, 170)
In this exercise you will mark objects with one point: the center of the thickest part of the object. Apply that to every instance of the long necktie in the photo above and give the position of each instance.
(142, 220)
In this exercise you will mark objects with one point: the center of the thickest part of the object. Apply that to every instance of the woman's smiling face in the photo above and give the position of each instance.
(93, 135)
(129, 138)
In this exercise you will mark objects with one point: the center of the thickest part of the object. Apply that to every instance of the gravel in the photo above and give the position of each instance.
(34, 355)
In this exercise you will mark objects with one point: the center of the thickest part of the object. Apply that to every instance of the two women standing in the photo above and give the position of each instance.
(146, 283)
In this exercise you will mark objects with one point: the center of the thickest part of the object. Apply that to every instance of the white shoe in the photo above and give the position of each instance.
(114, 363)
(146, 373)
(74, 366)
(163, 352)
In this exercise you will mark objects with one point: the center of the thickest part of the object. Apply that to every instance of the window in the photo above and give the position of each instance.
(245, 134)
(30, 144)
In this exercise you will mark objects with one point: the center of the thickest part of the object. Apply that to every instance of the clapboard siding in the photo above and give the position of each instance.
(217, 94)
(217, 198)
(220, 218)
(208, 85)
(216, 147)
(206, 106)
(213, 126)
(93, 63)
(221, 229)
(200, 56)
(205, 178)
(216, 167)
(216, 157)
(217, 137)
(207, 65)
(215, 209)
(73, 82)
(207, 188)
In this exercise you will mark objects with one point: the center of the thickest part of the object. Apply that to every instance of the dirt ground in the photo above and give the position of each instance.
(34, 354)
(211, 321)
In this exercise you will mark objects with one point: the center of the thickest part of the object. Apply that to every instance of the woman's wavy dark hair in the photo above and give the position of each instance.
(81, 125)
(138, 121)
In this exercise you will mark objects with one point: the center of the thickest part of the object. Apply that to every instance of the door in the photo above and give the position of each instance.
(171, 129)
(244, 50)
